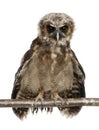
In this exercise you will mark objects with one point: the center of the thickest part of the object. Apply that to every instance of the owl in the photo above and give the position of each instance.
(50, 70)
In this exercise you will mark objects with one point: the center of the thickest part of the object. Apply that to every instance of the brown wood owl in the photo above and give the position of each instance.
(50, 69)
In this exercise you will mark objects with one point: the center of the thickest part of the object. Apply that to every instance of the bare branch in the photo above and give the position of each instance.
(50, 103)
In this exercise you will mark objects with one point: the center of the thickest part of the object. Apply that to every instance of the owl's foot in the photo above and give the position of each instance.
(57, 97)
(38, 98)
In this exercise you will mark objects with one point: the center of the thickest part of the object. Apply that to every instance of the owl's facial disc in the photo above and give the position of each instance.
(57, 33)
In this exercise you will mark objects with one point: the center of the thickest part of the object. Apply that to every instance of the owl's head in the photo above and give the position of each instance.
(56, 27)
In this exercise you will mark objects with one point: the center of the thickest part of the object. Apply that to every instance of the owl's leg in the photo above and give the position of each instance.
(57, 97)
(39, 97)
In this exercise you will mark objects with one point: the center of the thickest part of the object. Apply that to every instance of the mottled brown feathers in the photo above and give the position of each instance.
(50, 69)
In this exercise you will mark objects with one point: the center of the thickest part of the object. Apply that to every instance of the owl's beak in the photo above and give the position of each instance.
(57, 35)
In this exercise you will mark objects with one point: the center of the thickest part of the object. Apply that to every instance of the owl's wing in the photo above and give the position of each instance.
(79, 75)
(26, 58)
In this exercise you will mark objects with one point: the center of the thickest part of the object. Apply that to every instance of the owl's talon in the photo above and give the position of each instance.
(34, 110)
(49, 109)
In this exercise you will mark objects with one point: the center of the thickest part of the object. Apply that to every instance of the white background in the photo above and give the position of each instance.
(18, 27)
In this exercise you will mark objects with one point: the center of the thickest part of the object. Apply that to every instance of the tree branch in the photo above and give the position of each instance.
(50, 103)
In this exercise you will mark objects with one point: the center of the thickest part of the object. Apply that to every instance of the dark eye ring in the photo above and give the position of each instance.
(50, 28)
(64, 28)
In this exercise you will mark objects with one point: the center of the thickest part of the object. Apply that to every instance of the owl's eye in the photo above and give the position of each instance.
(50, 28)
(64, 28)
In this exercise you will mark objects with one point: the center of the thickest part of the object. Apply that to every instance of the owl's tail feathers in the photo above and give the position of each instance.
(75, 92)
(71, 111)
(21, 112)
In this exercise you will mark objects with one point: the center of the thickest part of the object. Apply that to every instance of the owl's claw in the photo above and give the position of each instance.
(47, 109)
(39, 97)
(34, 109)
(57, 97)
